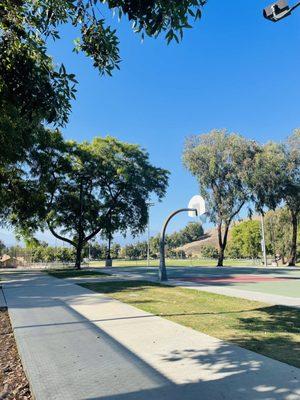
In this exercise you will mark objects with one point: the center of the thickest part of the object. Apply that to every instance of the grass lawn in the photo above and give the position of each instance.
(73, 273)
(270, 330)
(174, 263)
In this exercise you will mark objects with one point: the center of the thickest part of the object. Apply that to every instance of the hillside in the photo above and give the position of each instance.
(209, 238)
(194, 248)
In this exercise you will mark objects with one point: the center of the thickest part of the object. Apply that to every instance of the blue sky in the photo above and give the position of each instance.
(233, 70)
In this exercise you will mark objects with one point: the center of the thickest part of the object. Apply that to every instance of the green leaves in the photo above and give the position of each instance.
(245, 240)
(101, 44)
(219, 161)
(98, 187)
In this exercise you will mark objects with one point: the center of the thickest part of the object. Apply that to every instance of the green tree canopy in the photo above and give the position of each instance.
(2, 247)
(192, 232)
(245, 240)
(87, 184)
(273, 177)
(278, 231)
(219, 160)
(291, 192)
(36, 91)
(266, 176)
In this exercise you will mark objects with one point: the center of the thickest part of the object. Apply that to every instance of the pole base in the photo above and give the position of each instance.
(108, 262)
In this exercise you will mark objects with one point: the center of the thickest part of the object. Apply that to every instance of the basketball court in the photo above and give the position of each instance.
(281, 281)
(282, 285)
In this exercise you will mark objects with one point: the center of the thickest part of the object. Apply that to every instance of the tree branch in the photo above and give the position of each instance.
(60, 237)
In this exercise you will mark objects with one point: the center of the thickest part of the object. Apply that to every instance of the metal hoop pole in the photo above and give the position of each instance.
(162, 272)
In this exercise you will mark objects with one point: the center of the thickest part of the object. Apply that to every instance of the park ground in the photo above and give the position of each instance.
(187, 262)
(266, 328)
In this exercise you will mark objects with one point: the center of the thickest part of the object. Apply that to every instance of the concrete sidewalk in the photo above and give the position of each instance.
(77, 345)
(273, 299)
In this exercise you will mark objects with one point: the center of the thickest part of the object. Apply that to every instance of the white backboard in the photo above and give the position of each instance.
(198, 203)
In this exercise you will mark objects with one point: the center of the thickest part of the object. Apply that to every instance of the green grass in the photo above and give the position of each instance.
(270, 330)
(173, 263)
(73, 273)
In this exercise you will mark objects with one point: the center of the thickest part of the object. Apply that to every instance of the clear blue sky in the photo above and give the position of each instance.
(233, 70)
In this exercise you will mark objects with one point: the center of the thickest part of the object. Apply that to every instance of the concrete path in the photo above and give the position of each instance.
(77, 345)
(244, 294)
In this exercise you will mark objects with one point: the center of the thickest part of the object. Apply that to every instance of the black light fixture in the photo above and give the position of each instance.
(278, 10)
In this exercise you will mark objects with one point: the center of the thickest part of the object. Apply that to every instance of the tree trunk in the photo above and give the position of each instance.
(222, 243)
(220, 258)
(221, 246)
(108, 255)
(78, 256)
(293, 254)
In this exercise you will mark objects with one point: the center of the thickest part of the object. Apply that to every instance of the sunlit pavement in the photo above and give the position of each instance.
(76, 344)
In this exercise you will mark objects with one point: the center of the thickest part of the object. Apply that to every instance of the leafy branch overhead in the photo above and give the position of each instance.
(36, 21)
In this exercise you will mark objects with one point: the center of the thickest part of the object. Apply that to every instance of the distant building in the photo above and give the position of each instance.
(7, 261)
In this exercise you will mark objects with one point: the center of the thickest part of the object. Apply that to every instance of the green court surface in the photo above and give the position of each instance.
(289, 288)
(272, 280)
(281, 282)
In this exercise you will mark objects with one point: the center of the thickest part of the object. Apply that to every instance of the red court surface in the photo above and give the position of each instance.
(235, 279)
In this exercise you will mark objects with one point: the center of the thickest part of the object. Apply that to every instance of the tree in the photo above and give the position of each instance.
(274, 177)
(219, 161)
(266, 176)
(35, 91)
(87, 184)
(32, 89)
(291, 192)
(97, 251)
(209, 251)
(245, 239)
(27, 184)
(2, 248)
(36, 22)
(278, 233)
(192, 232)
(131, 251)
(115, 250)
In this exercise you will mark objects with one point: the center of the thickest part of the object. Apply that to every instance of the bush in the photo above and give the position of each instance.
(209, 251)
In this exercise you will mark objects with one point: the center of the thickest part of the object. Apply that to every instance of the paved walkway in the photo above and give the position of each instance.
(244, 294)
(77, 345)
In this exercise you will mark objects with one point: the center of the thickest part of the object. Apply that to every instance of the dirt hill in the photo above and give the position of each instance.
(209, 238)
(194, 248)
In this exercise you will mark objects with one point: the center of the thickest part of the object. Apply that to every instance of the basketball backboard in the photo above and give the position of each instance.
(197, 202)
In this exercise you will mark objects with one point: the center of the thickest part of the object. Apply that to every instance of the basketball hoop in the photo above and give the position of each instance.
(198, 203)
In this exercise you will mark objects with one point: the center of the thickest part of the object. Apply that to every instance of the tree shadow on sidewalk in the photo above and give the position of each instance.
(87, 362)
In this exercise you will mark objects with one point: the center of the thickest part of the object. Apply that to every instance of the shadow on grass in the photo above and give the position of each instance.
(119, 286)
(276, 333)
(73, 273)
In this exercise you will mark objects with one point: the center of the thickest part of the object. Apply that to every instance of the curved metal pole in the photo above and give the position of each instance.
(162, 272)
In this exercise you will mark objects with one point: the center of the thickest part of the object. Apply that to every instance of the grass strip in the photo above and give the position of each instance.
(75, 273)
(273, 331)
